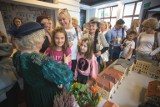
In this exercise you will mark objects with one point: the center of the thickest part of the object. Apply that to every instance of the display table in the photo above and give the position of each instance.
(131, 91)
(132, 88)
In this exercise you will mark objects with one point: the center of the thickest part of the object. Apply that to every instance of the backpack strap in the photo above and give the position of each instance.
(122, 33)
(123, 41)
(155, 45)
(76, 33)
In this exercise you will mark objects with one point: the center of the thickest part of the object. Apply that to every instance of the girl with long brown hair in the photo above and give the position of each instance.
(59, 48)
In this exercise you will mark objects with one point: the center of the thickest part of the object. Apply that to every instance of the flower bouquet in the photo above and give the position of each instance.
(85, 96)
(64, 99)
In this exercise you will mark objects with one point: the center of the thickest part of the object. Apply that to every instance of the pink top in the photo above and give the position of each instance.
(58, 55)
(86, 67)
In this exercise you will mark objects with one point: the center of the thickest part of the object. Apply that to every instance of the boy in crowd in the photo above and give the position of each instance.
(128, 45)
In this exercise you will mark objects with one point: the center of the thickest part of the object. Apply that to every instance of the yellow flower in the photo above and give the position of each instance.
(100, 98)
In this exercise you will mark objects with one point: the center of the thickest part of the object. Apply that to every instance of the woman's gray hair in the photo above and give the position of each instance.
(28, 42)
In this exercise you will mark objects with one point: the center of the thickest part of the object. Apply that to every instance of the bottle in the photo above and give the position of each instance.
(117, 38)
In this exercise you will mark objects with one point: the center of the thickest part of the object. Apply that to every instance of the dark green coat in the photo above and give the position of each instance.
(41, 75)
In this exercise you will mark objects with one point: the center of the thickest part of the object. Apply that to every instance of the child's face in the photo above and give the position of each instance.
(84, 47)
(63, 20)
(17, 23)
(131, 37)
(59, 39)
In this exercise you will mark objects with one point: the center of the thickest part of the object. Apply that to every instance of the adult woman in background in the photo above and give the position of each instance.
(146, 40)
(65, 20)
(50, 24)
(98, 40)
(105, 30)
(44, 22)
(134, 26)
(43, 77)
(76, 26)
(17, 22)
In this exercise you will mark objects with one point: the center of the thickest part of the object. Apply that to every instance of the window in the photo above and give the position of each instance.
(128, 9)
(108, 14)
(114, 11)
(113, 21)
(138, 8)
(128, 21)
(131, 11)
(100, 13)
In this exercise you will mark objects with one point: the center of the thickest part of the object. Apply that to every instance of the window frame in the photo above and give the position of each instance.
(110, 16)
(134, 10)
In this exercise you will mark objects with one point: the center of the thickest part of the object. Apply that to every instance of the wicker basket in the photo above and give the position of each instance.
(104, 93)
(147, 69)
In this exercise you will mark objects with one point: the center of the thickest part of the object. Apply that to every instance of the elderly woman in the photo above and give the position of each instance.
(44, 22)
(147, 39)
(43, 77)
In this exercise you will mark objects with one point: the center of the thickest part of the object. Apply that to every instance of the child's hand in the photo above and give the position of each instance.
(70, 44)
(60, 86)
(67, 59)
(99, 53)
(121, 47)
(75, 79)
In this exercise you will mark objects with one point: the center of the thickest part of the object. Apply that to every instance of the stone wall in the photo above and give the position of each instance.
(27, 13)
